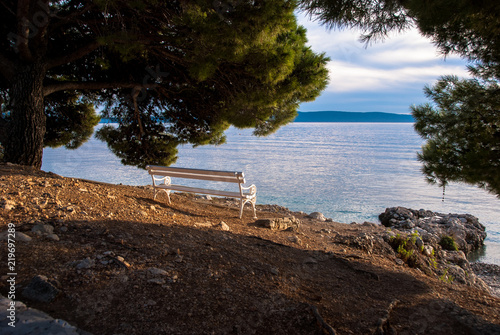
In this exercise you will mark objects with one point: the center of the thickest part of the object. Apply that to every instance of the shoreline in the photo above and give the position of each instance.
(111, 252)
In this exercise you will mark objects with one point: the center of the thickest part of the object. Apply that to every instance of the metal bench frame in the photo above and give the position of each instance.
(162, 181)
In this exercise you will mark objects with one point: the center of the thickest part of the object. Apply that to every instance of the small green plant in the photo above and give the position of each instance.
(448, 243)
(414, 236)
(405, 247)
(446, 278)
(433, 262)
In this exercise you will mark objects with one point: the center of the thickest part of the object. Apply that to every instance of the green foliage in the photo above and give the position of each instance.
(433, 262)
(445, 277)
(201, 66)
(462, 129)
(468, 28)
(448, 243)
(406, 249)
(70, 121)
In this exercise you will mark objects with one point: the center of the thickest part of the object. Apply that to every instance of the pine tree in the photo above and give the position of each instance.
(462, 128)
(170, 72)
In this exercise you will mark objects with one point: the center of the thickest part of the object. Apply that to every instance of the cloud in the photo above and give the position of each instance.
(347, 77)
(392, 72)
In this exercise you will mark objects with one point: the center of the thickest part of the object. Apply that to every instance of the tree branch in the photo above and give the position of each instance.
(91, 85)
(74, 14)
(23, 30)
(77, 54)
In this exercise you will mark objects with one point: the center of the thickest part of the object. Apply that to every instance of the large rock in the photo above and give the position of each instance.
(40, 289)
(290, 223)
(317, 216)
(466, 230)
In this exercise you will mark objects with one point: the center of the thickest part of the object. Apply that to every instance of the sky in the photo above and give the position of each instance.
(387, 76)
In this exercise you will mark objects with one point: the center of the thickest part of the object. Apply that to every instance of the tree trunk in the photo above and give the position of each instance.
(27, 123)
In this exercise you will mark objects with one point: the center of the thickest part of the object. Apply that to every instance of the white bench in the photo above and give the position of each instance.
(162, 182)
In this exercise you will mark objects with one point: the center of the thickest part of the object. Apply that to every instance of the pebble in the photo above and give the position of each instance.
(18, 237)
(317, 216)
(7, 204)
(53, 237)
(223, 226)
(157, 281)
(157, 272)
(86, 263)
(43, 229)
(295, 239)
(310, 260)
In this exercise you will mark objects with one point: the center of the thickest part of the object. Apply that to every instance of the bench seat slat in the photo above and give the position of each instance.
(189, 189)
(193, 171)
(227, 179)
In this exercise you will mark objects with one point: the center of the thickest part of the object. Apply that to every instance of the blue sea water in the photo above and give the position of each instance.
(348, 171)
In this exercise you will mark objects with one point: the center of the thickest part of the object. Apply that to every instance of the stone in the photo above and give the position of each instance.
(20, 236)
(419, 242)
(121, 261)
(53, 237)
(295, 239)
(43, 229)
(157, 281)
(204, 224)
(40, 289)
(7, 204)
(428, 250)
(310, 260)
(223, 226)
(157, 272)
(86, 263)
(317, 216)
(286, 223)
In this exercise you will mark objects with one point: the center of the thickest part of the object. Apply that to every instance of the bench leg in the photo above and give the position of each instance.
(166, 191)
(252, 202)
(241, 207)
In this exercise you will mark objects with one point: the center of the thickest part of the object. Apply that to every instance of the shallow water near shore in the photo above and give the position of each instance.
(348, 171)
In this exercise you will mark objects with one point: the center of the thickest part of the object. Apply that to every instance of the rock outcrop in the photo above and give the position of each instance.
(465, 229)
(435, 242)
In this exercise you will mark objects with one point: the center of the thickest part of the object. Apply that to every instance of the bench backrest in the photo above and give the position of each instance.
(213, 175)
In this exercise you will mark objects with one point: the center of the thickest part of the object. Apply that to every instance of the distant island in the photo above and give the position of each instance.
(336, 116)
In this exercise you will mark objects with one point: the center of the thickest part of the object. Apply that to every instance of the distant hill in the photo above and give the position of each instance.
(335, 116)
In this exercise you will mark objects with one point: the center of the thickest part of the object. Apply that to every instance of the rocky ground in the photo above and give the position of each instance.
(111, 260)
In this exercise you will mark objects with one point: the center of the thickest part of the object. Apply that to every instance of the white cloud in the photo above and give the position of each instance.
(346, 77)
(402, 64)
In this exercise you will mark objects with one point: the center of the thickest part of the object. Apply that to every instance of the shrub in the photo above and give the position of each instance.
(448, 243)
(405, 247)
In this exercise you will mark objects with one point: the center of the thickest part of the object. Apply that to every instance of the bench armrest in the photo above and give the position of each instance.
(165, 179)
(251, 188)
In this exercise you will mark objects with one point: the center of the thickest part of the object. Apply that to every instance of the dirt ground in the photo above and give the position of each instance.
(127, 264)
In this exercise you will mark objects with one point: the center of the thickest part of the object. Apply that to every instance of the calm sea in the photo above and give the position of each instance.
(348, 171)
